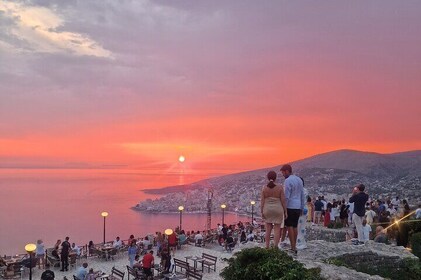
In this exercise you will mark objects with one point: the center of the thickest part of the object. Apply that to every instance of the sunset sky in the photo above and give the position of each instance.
(228, 84)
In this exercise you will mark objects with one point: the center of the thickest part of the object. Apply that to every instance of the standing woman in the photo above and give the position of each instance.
(273, 208)
(132, 252)
(40, 252)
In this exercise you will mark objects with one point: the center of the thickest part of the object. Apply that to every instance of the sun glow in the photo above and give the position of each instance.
(181, 159)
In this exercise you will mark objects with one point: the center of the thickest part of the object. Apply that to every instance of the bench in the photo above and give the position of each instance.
(209, 261)
(191, 274)
(116, 274)
(181, 264)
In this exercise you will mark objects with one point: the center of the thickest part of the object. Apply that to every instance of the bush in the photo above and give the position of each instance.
(262, 264)
(335, 225)
(416, 244)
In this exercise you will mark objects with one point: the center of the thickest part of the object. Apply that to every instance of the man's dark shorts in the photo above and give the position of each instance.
(293, 216)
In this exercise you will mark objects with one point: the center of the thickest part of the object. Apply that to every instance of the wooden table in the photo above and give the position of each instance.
(195, 261)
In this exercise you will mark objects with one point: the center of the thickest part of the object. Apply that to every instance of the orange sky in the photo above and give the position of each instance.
(231, 89)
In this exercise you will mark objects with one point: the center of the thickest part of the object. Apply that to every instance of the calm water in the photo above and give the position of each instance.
(51, 204)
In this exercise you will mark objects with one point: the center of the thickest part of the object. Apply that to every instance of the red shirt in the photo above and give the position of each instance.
(172, 239)
(147, 260)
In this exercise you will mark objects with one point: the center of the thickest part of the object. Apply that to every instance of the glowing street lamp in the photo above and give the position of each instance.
(104, 214)
(181, 208)
(168, 232)
(30, 248)
(223, 206)
(252, 210)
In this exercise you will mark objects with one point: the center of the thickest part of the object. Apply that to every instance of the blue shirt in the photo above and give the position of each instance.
(81, 273)
(132, 250)
(294, 192)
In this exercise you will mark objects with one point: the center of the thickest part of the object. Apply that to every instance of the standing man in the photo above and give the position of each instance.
(359, 198)
(318, 207)
(64, 256)
(294, 196)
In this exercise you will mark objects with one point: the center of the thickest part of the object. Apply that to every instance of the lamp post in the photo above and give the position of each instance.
(252, 210)
(30, 248)
(168, 232)
(104, 214)
(223, 206)
(181, 208)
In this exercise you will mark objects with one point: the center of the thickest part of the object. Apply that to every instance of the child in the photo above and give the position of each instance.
(366, 231)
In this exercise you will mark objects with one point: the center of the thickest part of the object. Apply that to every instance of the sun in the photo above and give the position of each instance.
(181, 159)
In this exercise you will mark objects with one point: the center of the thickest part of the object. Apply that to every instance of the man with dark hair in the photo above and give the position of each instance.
(318, 207)
(295, 199)
(148, 263)
(64, 256)
(359, 198)
(47, 274)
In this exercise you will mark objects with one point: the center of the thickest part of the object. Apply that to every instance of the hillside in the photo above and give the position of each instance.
(331, 174)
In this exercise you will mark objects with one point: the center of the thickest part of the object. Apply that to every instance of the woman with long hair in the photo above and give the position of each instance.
(273, 208)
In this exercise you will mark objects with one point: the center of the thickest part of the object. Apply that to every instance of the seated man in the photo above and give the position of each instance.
(138, 263)
(75, 249)
(198, 237)
(82, 271)
(117, 243)
(380, 235)
(146, 242)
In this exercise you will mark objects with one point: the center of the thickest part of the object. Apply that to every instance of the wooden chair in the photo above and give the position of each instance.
(116, 274)
(191, 274)
(181, 264)
(209, 261)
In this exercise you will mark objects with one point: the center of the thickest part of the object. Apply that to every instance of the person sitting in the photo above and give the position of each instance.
(380, 235)
(117, 243)
(198, 237)
(146, 242)
(137, 264)
(82, 272)
(47, 274)
(75, 249)
(92, 275)
(250, 236)
(148, 263)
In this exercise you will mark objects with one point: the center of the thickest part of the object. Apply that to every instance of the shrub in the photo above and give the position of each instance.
(416, 244)
(335, 225)
(262, 264)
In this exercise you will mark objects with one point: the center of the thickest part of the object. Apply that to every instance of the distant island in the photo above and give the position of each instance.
(330, 174)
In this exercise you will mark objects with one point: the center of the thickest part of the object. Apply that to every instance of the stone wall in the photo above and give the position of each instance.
(326, 234)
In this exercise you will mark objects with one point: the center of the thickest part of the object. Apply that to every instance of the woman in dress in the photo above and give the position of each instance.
(273, 208)
(310, 210)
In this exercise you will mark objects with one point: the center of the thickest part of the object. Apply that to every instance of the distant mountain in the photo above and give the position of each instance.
(330, 174)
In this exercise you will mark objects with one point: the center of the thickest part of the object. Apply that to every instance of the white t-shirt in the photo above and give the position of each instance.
(198, 236)
(324, 205)
(117, 244)
(395, 202)
(391, 211)
(370, 214)
(366, 232)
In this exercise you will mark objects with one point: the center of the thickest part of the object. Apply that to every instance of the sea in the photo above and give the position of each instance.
(50, 204)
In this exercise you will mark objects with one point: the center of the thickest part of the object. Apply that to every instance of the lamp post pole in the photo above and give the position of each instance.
(181, 208)
(104, 214)
(252, 210)
(30, 248)
(223, 206)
